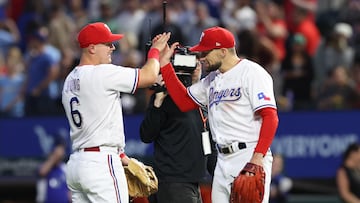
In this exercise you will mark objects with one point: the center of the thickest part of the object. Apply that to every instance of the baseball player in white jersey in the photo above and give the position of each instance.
(240, 100)
(92, 101)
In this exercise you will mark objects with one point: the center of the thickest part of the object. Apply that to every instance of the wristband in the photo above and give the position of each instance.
(154, 53)
(122, 155)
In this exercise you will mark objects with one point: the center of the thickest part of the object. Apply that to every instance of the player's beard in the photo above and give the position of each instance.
(213, 67)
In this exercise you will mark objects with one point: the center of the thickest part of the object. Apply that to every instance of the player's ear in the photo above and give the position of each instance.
(91, 48)
(223, 52)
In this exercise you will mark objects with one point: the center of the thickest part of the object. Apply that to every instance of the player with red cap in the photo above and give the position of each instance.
(214, 38)
(92, 101)
(242, 112)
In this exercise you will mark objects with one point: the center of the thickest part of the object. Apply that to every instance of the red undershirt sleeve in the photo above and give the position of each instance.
(268, 129)
(177, 90)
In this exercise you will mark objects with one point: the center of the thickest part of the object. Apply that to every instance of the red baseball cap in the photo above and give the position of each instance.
(214, 38)
(96, 33)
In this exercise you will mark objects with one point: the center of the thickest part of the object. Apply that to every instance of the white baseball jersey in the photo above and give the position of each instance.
(232, 98)
(91, 99)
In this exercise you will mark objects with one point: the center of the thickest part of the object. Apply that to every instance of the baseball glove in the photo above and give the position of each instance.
(141, 179)
(248, 189)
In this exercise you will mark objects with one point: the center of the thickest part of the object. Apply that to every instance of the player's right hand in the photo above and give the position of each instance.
(160, 41)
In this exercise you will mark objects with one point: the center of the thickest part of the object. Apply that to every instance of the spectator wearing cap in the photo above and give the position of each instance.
(298, 72)
(336, 50)
(41, 73)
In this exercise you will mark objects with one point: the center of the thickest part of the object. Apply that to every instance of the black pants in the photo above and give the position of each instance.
(177, 193)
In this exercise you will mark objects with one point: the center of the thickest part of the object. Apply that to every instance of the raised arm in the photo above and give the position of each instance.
(175, 88)
(150, 71)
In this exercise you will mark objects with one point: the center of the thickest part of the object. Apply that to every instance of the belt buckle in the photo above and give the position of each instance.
(234, 147)
(231, 149)
(226, 150)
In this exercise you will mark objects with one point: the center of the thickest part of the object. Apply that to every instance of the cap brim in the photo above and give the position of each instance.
(115, 37)
(199, 48)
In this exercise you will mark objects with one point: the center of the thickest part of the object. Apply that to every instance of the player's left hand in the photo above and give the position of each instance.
(248, 186)
(167, 53)
(257, 159)
(141, 179)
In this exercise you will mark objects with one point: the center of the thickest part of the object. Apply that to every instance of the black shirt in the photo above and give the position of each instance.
(178, 152)
(354, 180)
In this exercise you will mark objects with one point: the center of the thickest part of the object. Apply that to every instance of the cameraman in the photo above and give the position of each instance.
(179, 159)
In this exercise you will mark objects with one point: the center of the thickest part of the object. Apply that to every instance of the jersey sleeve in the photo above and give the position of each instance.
(198, 91)
(260, 89)
(118, 78)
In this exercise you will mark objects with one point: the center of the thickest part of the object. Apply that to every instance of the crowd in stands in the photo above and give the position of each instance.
(310, 47)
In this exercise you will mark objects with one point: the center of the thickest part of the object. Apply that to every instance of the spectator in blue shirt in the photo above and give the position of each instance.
(41, 73)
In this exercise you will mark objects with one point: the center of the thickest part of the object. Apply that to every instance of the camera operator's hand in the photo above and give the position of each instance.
(159, 80)
(167, 53)
(160, 96)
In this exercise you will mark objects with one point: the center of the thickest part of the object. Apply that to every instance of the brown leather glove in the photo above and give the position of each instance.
(248, 189)
(141, 179)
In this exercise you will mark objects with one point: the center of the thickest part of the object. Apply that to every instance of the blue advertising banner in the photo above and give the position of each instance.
(34, 137)
(25, 143)
(312, 143)
(30, 137)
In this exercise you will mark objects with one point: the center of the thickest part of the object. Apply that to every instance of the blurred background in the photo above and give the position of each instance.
(310, 47)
